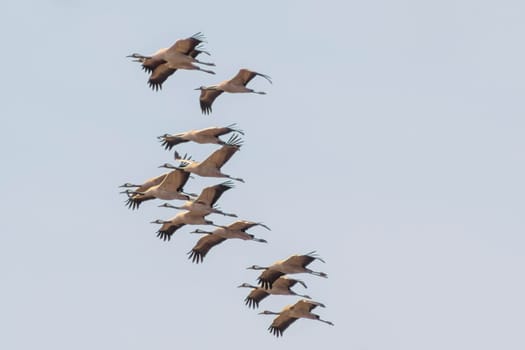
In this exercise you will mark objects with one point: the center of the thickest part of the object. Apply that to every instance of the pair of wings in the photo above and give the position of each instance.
(243, 77)
(219, 157)
(268, 276)
(286, 318)
(159, 69)
(173, 181)
(204, 244)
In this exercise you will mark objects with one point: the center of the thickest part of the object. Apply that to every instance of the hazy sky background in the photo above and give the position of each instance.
(392, 142)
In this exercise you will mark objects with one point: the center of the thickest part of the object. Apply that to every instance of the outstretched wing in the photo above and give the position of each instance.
(242, 225)
(170, 141)
(267, 277)
(305, 306)
(210, 195)
(149, 64)
(175, 180)
(167, 230)
(159, 76)
(206, 99)
(216, 131)
(203, 246)
(303, 260)
(280, 323)
(186, 46)
(218, 158)
(254, 298)
(245, 76)
(134, 201)
(286, 283)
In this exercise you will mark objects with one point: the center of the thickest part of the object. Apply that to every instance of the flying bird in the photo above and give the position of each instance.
(219, 235)
(208, 135)
(169, 227)
(293, 264)
(291, 313)
(235, 85)
(205, 203)
(164, 62)
(282, 286)
(211, 166)
(141, 188)
(171, 187)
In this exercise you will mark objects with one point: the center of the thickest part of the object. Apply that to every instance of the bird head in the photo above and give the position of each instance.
(246, 285)
(167, 205)
(160, 222)
(168, 166)
(128, 185)
(266, 312)
(199, 231)
(255, 267)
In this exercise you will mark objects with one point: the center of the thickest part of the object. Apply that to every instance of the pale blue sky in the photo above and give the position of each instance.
(392, 142)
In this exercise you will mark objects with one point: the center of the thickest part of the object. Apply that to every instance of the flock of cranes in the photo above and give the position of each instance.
(273, 280)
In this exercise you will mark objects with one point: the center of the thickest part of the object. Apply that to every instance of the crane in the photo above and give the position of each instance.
(171, 187)
(211, 166)
(291, 313)
(208, 135)
(219, 235)
(205, 202)
(235, 85)
(282, 286)
(181, 219)
(293, 264)
(164, 62)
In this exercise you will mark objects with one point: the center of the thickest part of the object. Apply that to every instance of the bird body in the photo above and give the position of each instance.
(134, 200)
(291, 265)
(171, 187)
(204, 204)
(236, 229)
(282, 286)
(219, 235)
(291, 313)
(211, 166)
(202, 136)
(235, 85)
(164, 62)
(181, 219)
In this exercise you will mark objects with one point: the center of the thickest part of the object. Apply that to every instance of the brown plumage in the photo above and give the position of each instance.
(237, 84)
(134, 203)
(211, 166)
(203, 246)
(171, 187)
(166, 61)
(282, 286)
(181, 219)
(236, 230)
(293, 264)
(291, 313)
(205, 203)
(207, 135)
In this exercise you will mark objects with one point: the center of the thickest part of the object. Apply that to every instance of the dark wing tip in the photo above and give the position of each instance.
(251, 303)
(164, 235)
(276, 331)
(195, 256)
